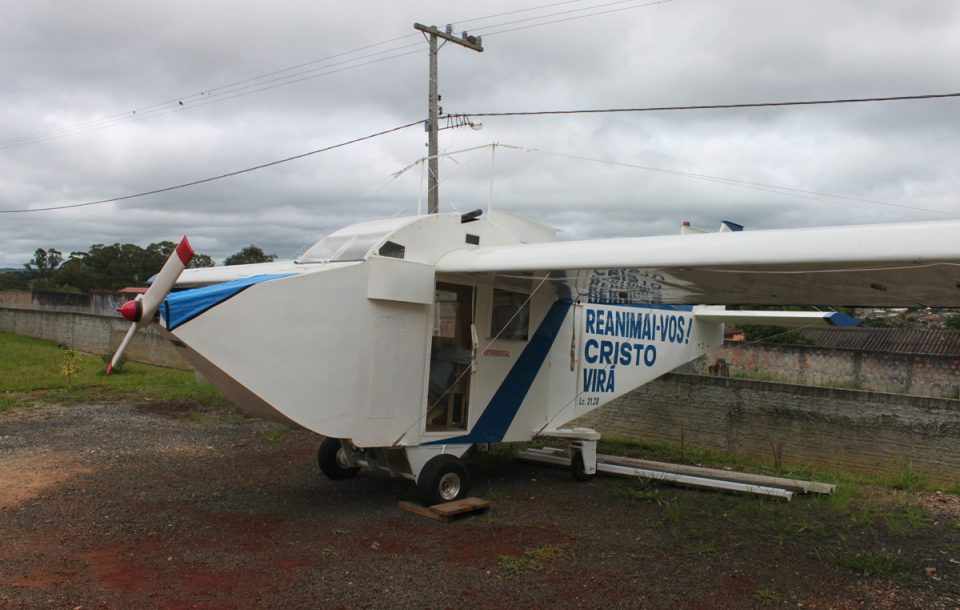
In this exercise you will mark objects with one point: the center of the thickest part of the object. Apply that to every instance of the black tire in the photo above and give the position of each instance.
(443, 479)
(578, 469)
(330, 465)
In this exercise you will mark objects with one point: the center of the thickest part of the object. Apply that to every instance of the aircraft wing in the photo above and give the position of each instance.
(871, 265)
(203, 276)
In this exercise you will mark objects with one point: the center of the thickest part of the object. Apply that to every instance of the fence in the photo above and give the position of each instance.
(96, 334)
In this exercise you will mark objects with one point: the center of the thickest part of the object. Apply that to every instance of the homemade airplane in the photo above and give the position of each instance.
(407, 341)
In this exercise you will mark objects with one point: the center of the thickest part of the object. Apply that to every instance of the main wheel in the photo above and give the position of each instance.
(443, 479)
(579, 470)
(332, 458)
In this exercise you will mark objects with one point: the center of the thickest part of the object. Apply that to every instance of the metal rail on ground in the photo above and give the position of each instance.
(693, 476)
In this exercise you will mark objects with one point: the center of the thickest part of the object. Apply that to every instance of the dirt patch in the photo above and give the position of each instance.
(941, 504)
(24, 477)
(169, 408)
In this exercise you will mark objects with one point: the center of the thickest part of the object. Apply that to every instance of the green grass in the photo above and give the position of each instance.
(873, 564)
(641, 490)
(531, 560)
(767, 596)
(834, 526)
(847, 483)
(906, 518)
(907, 480)
(32, 372)
(275, 436)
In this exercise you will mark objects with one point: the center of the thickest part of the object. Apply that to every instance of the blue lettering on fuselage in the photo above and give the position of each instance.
(639, 325)
(632, 335)
(599, 380)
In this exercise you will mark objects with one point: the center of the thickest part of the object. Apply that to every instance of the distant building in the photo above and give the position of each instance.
(131, 292)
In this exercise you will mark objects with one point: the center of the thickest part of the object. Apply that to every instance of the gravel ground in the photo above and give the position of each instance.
(173, 506)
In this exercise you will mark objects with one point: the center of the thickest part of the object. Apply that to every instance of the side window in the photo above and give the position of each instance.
(392, 249)
(445, 314)
(511, 314)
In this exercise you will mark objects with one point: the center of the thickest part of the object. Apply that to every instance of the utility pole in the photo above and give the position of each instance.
(433, 101)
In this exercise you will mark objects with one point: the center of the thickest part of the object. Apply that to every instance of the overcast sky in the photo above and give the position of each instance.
(70, 67)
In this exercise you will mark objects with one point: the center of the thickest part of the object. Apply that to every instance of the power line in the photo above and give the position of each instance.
(515, 12)
(281, 77)
(213, 178)
(222, 96)
(852, 100)
(566, 12)
(759, 186)
(290, 82)
(202, 94)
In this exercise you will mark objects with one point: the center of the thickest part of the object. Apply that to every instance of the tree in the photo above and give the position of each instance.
(774, 334)
(44, 262)
(201, 260)
(14, 280)
(953, 321)
(250, 254)
(115, 266)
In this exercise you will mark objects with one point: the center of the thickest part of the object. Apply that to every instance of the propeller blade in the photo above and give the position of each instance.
(123, 346)
(143, 310)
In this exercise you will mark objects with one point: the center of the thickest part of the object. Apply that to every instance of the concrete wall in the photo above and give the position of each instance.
(100, 302)
(90, 333)
(936, 376)
(851, 430)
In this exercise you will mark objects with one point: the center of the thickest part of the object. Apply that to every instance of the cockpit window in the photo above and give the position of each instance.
(392, 249)
(339, 248)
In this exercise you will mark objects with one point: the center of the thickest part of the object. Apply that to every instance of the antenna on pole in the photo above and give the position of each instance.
(433, 103)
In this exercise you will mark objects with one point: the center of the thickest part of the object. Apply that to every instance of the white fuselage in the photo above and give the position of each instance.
(354, 342)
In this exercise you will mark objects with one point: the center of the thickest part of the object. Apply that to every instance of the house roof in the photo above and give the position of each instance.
(889, 340)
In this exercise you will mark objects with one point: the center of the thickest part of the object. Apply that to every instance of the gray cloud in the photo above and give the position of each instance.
(66, 68)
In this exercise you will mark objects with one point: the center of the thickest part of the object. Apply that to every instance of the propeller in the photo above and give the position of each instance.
(142, 309)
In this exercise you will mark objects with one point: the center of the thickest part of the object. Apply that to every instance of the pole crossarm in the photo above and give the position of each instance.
(465, 40)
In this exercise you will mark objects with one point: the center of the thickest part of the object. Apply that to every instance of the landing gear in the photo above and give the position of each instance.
(443, 479)
(334, 460)
(583, 462)
(579, 469)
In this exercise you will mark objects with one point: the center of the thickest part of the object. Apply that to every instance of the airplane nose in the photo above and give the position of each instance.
(131, 310)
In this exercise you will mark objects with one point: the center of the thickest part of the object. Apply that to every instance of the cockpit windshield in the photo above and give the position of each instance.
(338, 248)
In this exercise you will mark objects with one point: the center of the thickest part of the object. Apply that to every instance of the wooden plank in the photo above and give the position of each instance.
(447, 510)
(726, 475)
(459, 507)
(423, 511)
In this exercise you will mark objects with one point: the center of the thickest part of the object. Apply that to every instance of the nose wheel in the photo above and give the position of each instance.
(334, 461)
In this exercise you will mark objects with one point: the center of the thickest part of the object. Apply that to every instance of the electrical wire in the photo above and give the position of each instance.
(213, 178)
(771, 188)
(182, 102)
(290, 82)
(514, 12)
(849, 100)
(225, 95)
(254, 84)
(284, 76)
(483, 30)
